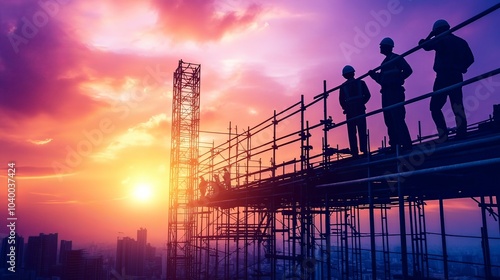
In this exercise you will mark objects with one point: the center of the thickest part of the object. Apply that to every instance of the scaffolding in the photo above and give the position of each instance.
(183, 170)
(286, 209)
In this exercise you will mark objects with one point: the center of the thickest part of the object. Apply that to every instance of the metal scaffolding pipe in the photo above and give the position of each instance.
(450, 167)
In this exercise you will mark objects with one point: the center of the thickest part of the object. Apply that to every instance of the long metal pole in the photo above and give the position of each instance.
(346, 242)
(325, 129)
(402, 223)
(443, 239)
(498, 211)
(372, 216)
(275, 147)
(450, 167)
(328, 241)
(485, 241)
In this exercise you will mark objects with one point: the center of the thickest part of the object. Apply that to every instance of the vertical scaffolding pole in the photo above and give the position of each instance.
(385, 241)
(413, 239)
(485, 241)
(303, 135)
(443, 239)
(402, 222)
(371, 210)
(345, 240)
(498, 211)
(275, 146)
(326, 124)
(328, 231)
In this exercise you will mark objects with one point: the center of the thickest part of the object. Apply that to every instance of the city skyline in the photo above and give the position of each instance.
(44, 256)
(86, 95)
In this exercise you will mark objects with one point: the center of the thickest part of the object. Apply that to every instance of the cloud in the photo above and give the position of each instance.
(142, 135)
(201, 20)
(36, 65)
(73, 202)
(48, 74)
(56, 202)
(40, 142)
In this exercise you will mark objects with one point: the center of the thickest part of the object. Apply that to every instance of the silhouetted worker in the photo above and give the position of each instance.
(227, 178)
(202, 187)
(393, 72)
(217, 184)
(352, 97)
(453, 58)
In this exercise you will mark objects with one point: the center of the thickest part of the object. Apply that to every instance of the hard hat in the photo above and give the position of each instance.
(347, 69)
(440, 23)
(387, 42)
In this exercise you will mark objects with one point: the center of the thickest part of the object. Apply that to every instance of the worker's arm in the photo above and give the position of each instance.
(405, 68)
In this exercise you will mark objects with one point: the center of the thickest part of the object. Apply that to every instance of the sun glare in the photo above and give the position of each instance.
(143, 192)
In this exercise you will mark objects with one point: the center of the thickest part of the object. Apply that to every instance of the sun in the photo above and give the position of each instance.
(143, 192)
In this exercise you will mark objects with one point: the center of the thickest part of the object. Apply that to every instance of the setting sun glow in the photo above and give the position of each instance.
(143, 192)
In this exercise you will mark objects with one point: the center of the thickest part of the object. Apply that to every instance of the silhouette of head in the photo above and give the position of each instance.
(386, 46)
(348, 72)
(440, 26)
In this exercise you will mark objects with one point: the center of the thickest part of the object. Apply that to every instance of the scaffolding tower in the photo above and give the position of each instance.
(183, 169)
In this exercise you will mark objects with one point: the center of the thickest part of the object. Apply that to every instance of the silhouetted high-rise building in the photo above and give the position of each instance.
(94, 268)
(78, 266)
(127, 257)
(74, 265)
(142, 235)
(41, 254)
(134, 258)
(65, 247)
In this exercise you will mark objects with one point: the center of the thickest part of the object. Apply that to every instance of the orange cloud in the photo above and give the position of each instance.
(200, 20)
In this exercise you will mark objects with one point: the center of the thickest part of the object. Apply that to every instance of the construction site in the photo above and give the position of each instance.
(280, 199)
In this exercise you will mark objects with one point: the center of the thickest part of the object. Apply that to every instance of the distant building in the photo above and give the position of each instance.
(127, 257)
(80, 267)
(65, 247)
(74, 265)
(41, 254)
(94, 268)
(142, 236)
(137, 258)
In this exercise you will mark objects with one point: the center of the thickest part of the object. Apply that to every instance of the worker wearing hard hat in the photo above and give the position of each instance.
(393, 72)
(352, 97)
(453, 58)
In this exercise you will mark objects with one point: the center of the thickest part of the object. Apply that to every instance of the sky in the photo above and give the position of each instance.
(86, 90)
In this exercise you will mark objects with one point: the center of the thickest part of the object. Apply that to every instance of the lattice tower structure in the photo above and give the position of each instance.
(183, 168)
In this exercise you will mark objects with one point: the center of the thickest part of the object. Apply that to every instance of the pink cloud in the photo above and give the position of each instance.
(33, 78)
(200, 20)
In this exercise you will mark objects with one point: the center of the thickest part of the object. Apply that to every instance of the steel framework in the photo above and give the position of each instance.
(322, 214)
(183, 169)
(343, 217)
